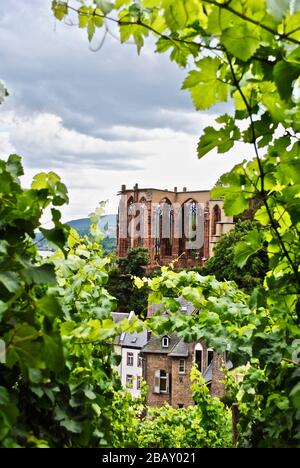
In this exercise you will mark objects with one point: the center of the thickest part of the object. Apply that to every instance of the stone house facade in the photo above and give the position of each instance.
(167, 365)
(168, 361)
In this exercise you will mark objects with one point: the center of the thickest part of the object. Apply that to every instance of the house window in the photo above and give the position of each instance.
(165, 342)
(210, 356)
(181, 366)
(129, 381)
(140, 361)
(138, 382)
(161, 381)
(129, 359)
(199, 356)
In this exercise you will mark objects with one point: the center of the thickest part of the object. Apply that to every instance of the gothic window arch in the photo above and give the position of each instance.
(142, 221)
(191, 214)
(157, 222)
(130, 221)
(164, 228)
(216, 217)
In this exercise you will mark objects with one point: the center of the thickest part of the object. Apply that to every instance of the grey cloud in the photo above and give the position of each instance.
(45, 160)
(54, 71)
(48, 68)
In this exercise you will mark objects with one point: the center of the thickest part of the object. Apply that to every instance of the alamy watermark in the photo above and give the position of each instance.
(164, 221)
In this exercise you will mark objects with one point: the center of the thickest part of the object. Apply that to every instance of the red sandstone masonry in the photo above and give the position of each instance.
(152, 197)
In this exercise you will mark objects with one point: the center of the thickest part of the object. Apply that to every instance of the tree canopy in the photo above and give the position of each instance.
(226, 265)
(121, 281)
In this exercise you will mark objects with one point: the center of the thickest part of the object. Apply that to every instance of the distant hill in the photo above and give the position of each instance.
(108, 224)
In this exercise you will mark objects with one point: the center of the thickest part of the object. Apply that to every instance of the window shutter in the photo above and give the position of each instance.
(167, 384)
(157, 381)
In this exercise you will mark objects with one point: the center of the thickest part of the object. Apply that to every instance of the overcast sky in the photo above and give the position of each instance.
(98, 119)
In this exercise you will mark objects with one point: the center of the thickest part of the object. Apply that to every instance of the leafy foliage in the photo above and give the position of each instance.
(30, 313)
(3, 92)
(109, 245)
(121, 284)
(58, 387)
(248, 329)
(230, 260)
(57, 383)
(206, 424)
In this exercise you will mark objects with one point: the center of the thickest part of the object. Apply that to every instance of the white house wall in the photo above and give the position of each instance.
(134, 370)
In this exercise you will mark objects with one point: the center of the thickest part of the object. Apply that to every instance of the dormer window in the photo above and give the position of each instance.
(165, 342)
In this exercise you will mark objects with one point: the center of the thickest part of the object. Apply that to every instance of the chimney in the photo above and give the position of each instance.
(175, 189)
(136, 187)
(184, 189)
(123, 188)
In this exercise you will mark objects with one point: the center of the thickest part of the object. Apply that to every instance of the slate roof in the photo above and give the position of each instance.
(154, 345)
(129, 340)
(180, 350)
(135, 340)
(119, 316)
(207, 374)
(177, 347)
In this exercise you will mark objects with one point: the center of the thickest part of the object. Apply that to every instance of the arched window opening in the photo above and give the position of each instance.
(136, 222)
(210, 356)
(191, 240)
(158, 223)
(164, 223)
(216, 217)
(142, 222)
(199, 356)
(168, 235)
(192, 219)
(130, 222)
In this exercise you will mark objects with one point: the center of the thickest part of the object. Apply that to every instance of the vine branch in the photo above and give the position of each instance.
(139, 22)
(262, 174)
(226, 6)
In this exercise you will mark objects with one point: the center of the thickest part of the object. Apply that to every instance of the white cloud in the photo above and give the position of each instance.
(98, 119)
(5, 145)
(94, 168)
